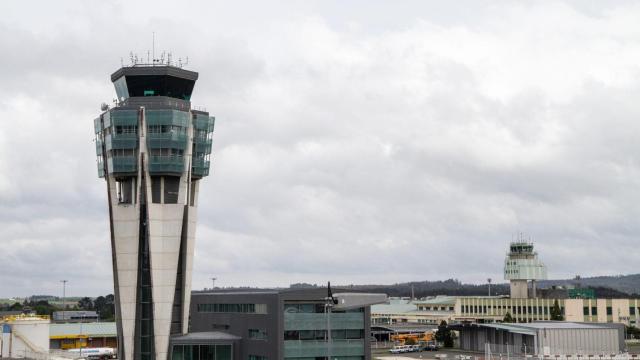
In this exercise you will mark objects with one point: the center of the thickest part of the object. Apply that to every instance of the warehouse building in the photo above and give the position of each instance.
(543, 338)
(83, 335)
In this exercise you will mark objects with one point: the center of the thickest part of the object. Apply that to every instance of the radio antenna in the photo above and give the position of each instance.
(153, 46)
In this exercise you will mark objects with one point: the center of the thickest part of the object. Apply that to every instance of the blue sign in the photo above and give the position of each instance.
(6, 329)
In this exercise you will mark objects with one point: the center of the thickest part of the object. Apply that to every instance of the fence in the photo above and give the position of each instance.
(527, 352)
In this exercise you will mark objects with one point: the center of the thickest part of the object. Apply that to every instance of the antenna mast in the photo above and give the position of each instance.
(153, 47)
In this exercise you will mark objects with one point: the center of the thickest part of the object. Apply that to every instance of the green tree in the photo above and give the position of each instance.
(43, 307)
(556, 313)
(105, 307)
(86, 304)
(632, 332)
(508, 318)
(444, 335)
(16, 307)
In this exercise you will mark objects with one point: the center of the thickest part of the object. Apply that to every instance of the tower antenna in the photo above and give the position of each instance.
(153, 47)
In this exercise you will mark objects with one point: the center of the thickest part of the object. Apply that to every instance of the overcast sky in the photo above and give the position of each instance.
(355, 141)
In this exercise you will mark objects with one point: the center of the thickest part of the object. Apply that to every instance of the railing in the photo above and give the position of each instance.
(168, 140)
(166, 164)
(202, 146)
(203, 122)
(559, 351)
(97, 127)
(123, 164)
(200, 167)
(167, 117)
(121, 141)
(22, 317)
(319, 348)
(124, 118)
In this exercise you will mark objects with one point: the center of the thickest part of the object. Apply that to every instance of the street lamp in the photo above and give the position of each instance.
(64, 289)
(213, 283)
(489, 281)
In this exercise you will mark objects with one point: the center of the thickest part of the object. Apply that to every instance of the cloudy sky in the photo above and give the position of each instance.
(355, 141)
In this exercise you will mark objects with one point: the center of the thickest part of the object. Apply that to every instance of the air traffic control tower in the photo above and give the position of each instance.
(522, 267)
(153, 149)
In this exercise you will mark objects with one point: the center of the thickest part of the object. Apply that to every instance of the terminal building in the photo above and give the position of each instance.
(286, 324)
(523, 269)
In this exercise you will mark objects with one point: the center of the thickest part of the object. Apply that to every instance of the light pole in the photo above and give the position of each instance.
(213, 283)
(81, 321)
(489, 281)
(64, 289)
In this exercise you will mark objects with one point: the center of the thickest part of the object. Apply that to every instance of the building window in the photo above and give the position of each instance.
(632, 311)
(594, 310)
(233, 308)
(257, 334)
(585, 311)
(197, 352)
(257, 357)
(609, 310)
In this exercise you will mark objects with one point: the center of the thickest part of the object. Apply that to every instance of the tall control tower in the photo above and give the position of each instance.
(522, 266)
(153, 149)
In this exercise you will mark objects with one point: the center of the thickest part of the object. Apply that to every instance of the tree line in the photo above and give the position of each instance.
(103, 305)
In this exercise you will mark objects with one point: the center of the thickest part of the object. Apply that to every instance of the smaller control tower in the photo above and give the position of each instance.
(521, 266)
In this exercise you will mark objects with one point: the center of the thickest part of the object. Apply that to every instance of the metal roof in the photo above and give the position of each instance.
(141, 70)
(393, 308)
(401, 328)
(438, 300)
(94, 329)
(533, 327)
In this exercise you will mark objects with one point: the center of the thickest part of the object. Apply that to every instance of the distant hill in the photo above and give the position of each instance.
(629, 284)
(604, 286)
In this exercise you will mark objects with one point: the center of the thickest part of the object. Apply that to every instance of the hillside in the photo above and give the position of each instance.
(605, 287)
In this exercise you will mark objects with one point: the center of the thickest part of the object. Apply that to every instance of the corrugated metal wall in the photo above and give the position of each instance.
(578, 341)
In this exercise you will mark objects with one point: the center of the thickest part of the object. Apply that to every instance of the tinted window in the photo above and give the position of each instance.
(159, 85)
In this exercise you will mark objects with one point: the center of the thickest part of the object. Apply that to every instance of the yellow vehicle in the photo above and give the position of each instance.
(427, 336)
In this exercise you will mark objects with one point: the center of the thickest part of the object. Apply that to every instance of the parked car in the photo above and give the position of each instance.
(400, 349)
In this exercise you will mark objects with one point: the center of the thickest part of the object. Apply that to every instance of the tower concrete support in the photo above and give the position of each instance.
(153, 150)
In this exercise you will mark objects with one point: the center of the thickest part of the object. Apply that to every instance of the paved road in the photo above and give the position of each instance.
(383, 354)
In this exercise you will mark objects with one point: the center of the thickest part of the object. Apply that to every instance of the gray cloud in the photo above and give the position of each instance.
(356, 143)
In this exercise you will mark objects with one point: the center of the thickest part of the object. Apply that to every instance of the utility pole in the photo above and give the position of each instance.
(64, 294)
(489, 281)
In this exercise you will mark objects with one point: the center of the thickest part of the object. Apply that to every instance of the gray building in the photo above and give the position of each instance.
(288, 324)
(75, 316)
(543, 338)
